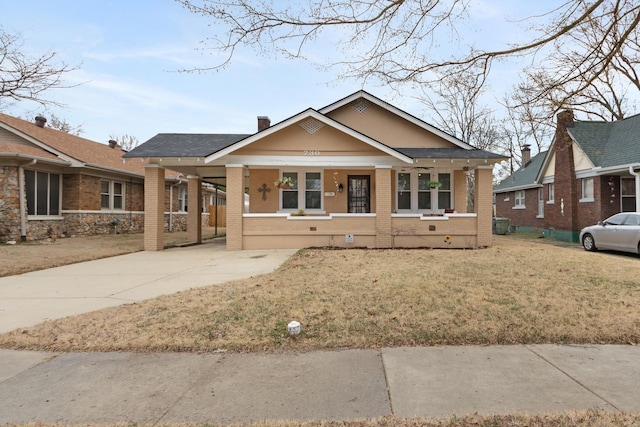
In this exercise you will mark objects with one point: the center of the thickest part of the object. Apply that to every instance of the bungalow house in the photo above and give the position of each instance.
(55, 184)
(357, 173)
(589, 173)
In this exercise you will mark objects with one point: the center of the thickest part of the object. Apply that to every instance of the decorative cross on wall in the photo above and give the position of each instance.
(264, 190)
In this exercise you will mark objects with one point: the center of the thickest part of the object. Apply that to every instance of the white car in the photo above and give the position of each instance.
(620, 232)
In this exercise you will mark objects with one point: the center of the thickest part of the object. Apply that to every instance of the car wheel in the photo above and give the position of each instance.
(588, 243)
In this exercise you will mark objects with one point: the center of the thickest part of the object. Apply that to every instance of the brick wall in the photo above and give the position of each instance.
(521, 217)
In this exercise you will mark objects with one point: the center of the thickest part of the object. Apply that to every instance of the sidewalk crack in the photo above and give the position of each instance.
(572, 378)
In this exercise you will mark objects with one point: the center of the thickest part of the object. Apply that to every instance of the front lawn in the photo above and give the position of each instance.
(517, 291)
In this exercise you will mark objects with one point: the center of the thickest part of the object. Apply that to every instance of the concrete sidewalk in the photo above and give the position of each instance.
(83, 388)
(31, 298)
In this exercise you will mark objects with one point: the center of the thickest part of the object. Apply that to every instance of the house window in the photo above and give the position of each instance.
(182, 199)
(305, 193)
(519, 200)
(540, 203)
(550, 193)
(444, 192)
(404, 191)
(111, 194)
(628, 194)
(587, 190)
(43, 192)
(414, 193)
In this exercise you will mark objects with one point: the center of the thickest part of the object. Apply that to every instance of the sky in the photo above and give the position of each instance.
(129, 53)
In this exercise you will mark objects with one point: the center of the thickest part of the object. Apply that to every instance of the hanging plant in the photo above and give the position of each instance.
(285, 182)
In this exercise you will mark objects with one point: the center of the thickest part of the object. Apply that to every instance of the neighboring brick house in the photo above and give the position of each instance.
(55, 184)
(589, 173)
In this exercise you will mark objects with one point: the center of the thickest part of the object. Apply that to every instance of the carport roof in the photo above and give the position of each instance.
(184, 145)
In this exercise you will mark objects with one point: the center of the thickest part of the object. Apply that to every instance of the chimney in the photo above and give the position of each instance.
(526, 155)
(263, 123)
(40, 121)
(113, 143)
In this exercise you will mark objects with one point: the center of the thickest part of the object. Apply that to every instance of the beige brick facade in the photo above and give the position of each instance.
(383, 192)
(483, 205)
(235, 206)
(154, 208)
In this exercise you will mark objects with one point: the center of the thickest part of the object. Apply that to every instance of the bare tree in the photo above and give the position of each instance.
(605, 96)
(458, 107)
(55, 122)
(126, 142)
(26, 78)
(393, 40)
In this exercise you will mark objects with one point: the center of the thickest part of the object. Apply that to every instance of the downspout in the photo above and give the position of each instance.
(23, 207)
(637, 175)
(179, 181)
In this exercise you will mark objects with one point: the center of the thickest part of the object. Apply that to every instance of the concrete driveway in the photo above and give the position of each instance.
(31, 298)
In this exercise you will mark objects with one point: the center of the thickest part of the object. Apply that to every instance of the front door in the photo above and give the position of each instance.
(359, 196)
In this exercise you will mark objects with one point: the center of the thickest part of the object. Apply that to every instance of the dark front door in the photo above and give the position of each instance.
(359, 199)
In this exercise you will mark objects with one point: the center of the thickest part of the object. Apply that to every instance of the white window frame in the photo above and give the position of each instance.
(183, 199)
(551, 193)
(587, 190)
(540, 197)
(519, 199)
(301, 189)
(112, 196)
(414, 190)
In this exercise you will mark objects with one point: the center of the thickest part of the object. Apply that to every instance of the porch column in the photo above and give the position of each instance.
(153, 208)
(383, 207)
(235, 206)
(483, 202)
(194, 209)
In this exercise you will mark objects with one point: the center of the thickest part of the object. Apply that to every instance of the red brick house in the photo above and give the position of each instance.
(589, 173)
(55, 184)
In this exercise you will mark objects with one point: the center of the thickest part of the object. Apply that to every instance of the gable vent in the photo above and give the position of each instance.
(311, 125)
(360, 105)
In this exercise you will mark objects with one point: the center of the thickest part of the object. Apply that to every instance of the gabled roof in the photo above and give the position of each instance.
(395, 110)
(215, 146)
(72, 149)
(310, 113)
(609, 144)
(523, 178)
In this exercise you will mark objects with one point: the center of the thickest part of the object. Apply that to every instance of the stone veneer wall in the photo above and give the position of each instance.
(9, 204)
(94, 223)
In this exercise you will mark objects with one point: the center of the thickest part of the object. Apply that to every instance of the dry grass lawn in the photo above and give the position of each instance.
(518, 291)
(41, 254)
(571, 419)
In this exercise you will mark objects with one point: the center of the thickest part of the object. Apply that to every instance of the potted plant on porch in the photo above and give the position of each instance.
(284, 182)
